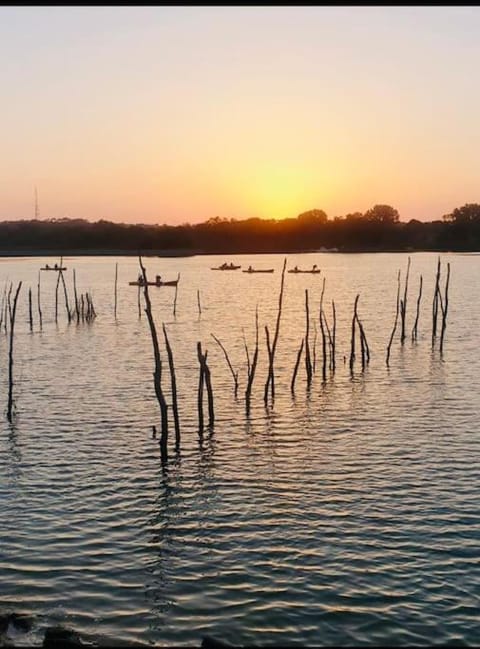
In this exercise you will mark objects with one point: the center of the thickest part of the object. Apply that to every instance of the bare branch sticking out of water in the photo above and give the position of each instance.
(173, 379)
(30, 313)
(253, 366)
(308, 362)
(39, 302)
(403, 310)
(201, 381)
(232, 371)
(436, 294)
(3, 307)
(67, 306)
(175, 298)
(295, 369)
(204, 378)
(56, 297)
(271, 349)
(10, 402)
(352, 342)
(323, 327)
(363, 341)
(445, 308)
(396, 320)
(334, 333)
(157, 374)
(198, 303)
(271, 378)
(115, 292)
(77, 306)
(415, 325)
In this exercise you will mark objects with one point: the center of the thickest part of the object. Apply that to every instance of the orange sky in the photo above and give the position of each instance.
(178, 114)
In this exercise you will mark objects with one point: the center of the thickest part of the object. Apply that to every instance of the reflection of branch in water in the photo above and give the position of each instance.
(436, 372)
(271, 446)
(15, 451)
(207, 447)
(162, 539)
(261, 445)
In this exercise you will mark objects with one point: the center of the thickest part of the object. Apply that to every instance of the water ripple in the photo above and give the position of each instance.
(347, 515)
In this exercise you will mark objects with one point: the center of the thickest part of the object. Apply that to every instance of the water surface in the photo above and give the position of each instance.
(348, 514)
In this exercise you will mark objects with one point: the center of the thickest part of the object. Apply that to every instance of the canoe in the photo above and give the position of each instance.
(226, 268)
(312, 272)
(173, 282)
(258, 270)
(53, 268)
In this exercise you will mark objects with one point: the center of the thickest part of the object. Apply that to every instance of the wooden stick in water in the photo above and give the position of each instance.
(232, 371)
(314, 355)
(2, 307)
(175, 298)
(308, 363)
(445, 308)
(352, 342)
(8, 307)
(365, 350)
(201, 380)
(56, 297)
(67, 306)
(10, 355)
(253, 367)
(77, 310)
(334, 331)
(208, 384)
(271, 380)
(39, 302)
(404, 305)
(30, 314)
(115, 292)
(396, 320)
(295, 369)
(157, 375)
(415, 325)
(323, 326)
(435, 304)
(174, 388)
(271, 350)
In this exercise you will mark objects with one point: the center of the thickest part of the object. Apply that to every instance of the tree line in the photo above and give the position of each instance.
(378, 229)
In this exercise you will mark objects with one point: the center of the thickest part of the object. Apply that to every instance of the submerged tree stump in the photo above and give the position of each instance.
(270, 383)
(157, 374)
(10, 401)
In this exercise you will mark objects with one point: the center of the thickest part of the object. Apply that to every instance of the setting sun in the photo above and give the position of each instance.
(277, 191)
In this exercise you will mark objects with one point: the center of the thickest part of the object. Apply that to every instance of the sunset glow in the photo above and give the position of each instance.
(180, 114)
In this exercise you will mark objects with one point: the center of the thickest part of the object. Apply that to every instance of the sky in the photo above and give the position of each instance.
(179, 114)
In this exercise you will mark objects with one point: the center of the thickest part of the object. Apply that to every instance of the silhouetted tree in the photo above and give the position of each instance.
(313, 217)
(382, 214)
(378, 229)
(468, 213)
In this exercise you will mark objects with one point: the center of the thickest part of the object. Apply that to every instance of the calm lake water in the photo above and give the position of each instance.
(347, 515)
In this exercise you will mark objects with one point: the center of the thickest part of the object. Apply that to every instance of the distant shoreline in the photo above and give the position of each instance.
(197, 253)
(308, 233)
(84, 252)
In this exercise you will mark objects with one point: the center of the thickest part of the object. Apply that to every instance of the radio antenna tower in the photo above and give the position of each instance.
(37, 211)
